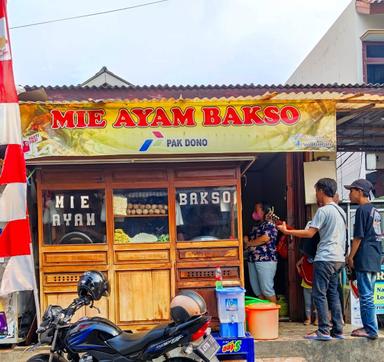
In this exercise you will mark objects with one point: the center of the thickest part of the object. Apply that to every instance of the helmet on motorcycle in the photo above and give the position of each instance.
(186, 305)
(92, 284)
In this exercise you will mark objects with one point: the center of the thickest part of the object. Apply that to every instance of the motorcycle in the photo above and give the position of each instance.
(98, 339)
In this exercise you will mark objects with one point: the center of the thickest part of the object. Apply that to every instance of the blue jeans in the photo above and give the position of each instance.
(324, 291)
(365, 284)
(261, 277)
(308, 302)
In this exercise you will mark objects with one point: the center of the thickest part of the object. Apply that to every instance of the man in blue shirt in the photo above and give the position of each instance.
(365, 255)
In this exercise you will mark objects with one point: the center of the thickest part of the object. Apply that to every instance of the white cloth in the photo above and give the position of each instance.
(13, 202)
(19, 275)
(10, 125)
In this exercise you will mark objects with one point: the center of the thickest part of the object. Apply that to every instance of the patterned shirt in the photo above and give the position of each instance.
(265, 252)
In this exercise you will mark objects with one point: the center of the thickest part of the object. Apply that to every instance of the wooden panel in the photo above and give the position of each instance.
(141, 256)
(74, 258)
(158, 265)
(207, 244)
(61, 278)
(64, 299)
(211, 254)
(192, 284)
(141, 246)
(142, 295)
(71, 176)
(144, 175)
(74, 248)
(73, 268)
(102, 304)
(201, 174)
(199, 274)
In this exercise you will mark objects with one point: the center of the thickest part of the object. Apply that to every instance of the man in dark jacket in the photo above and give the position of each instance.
(365, 255)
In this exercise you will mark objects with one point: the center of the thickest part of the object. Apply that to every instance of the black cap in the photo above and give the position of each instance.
(360, 184)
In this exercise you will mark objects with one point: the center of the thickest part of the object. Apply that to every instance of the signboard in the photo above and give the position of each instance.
(378, 299)
(177, 127)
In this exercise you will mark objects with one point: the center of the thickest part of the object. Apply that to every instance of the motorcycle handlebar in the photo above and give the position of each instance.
(75, 306)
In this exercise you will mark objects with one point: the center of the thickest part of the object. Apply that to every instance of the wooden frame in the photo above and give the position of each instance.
(368, 61)
(173, 265)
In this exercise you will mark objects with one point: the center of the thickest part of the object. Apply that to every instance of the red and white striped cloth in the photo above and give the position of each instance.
(15, 239)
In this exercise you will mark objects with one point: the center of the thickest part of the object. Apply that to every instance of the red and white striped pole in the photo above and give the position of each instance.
(15, 239)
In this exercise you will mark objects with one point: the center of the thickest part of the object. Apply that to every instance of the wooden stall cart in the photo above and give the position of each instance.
(152, 229)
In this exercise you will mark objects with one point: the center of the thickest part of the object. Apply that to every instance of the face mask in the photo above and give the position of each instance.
(256, 216)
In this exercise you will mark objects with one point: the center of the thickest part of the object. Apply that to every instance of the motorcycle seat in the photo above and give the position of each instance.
(128, 343)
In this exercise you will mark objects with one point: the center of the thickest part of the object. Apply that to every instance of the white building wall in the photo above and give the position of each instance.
(333, 59)
(338, 57)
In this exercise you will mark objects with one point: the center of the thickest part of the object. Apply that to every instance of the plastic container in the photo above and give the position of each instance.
(232, 330)
(263, 320)
(231, 310)
(252, 300)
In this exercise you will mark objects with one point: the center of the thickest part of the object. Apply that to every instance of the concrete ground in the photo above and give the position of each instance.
(289, 347)
(292, 347)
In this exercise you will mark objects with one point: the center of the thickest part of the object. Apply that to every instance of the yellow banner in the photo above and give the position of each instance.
(177, 127)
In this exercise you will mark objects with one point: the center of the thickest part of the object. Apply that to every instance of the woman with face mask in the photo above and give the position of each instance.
(262, 256)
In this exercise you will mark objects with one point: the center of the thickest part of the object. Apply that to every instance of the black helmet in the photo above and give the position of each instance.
(186, 305)
(92, 284)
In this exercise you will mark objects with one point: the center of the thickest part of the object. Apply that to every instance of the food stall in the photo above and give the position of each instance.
(149, 192)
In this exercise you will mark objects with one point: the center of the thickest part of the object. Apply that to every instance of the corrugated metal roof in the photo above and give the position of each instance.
(216, 86)
(257, 91)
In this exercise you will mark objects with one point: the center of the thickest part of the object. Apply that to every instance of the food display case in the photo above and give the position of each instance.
(153, 230)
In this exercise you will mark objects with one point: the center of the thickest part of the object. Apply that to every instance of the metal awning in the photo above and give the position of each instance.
(361, 129)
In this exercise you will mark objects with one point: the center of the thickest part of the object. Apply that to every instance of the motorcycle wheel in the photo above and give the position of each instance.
(44, 357)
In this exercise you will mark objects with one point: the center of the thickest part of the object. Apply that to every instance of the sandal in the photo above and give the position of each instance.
(337, 336)
(361, 332)
(357, 330)
(317, 336)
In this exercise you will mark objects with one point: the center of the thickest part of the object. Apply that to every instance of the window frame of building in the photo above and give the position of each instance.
(370, 61)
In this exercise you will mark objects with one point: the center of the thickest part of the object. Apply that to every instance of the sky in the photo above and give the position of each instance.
(173, 42)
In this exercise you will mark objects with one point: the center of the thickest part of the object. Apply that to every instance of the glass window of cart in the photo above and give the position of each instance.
(206, 213)
(74, 217)
(141, 216)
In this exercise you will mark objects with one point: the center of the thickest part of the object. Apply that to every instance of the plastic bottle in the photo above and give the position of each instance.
(218, 278)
